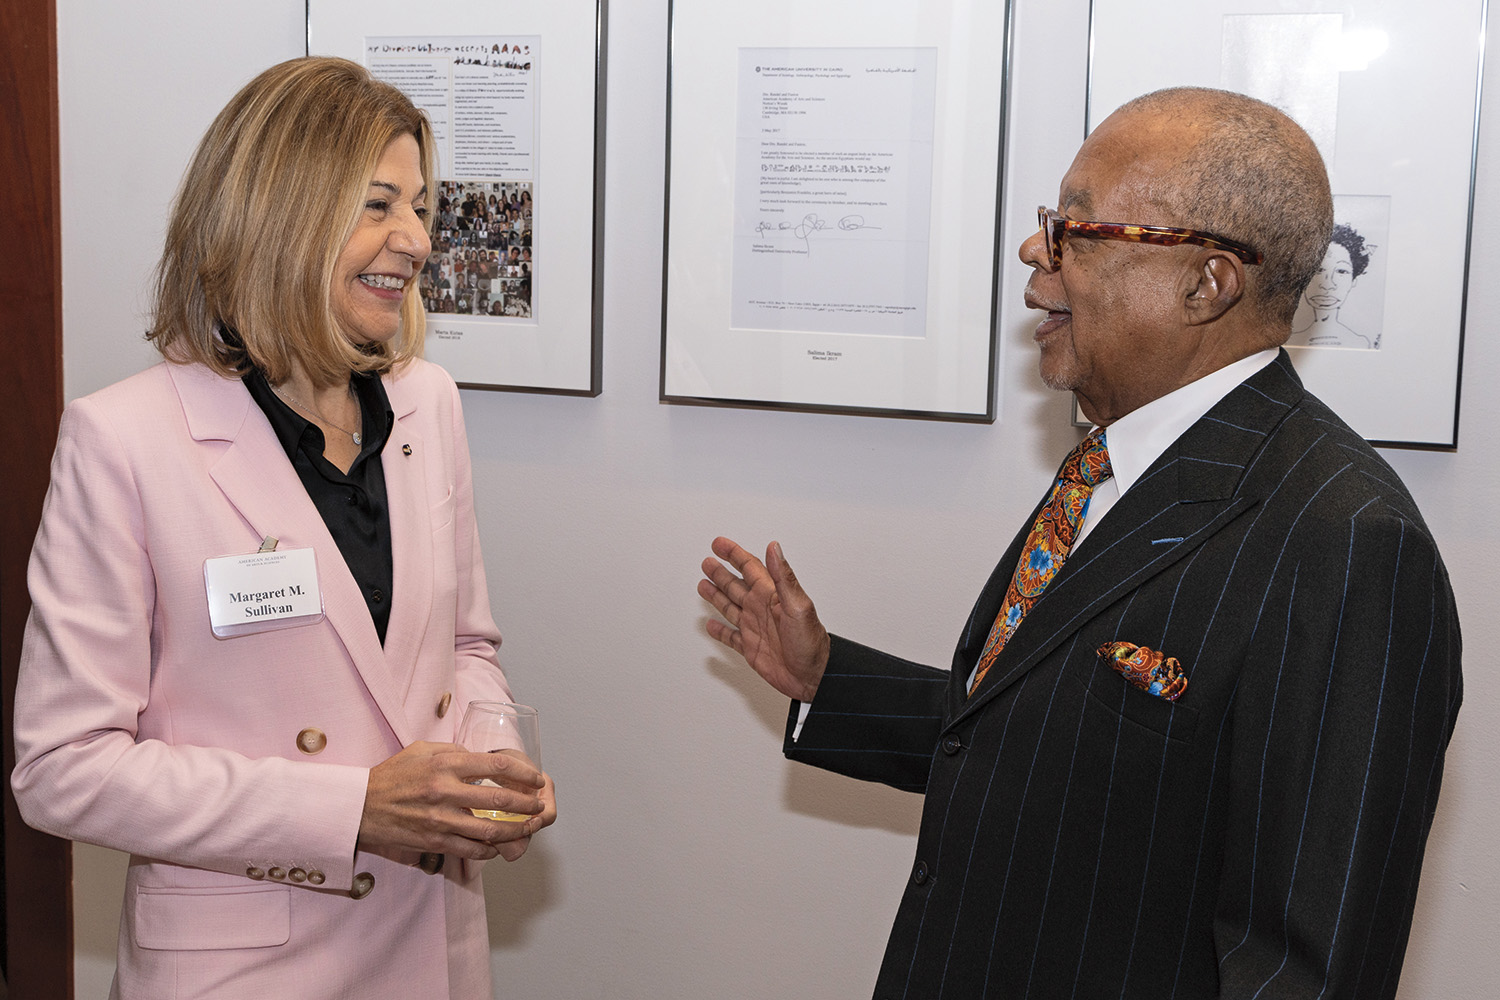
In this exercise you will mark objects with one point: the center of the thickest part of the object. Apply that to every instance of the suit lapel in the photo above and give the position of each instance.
(259, 481)
(1187, 495)
(411, 537)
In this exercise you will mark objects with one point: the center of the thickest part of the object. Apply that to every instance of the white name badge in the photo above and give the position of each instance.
(262, 591)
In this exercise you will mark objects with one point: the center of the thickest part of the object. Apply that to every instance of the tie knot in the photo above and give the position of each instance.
(1089, 462)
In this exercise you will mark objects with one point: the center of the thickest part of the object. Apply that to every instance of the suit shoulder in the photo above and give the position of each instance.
(144, 400)
(1315, 455)
(423, 378)
(142, 388)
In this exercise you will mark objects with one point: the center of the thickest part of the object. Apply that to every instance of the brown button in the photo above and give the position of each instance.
(444, 702)
(316, 877)
(297, 875)
(277, 873)
(364, 883)
(255, 873)
(311, 741)
(431, 863)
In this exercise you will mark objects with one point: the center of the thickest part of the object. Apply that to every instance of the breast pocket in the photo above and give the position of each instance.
(1107, 689)
(210, 919)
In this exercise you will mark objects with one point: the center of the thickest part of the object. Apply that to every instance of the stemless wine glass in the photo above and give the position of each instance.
(492, 726)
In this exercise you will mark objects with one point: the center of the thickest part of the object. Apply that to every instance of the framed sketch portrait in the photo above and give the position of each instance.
(1389, 91)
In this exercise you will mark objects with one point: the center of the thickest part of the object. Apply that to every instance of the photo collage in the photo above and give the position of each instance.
(481, 261)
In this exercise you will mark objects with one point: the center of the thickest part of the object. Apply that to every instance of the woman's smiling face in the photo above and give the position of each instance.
(386, 251)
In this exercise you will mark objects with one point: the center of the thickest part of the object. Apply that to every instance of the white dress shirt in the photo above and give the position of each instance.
(1139, 437)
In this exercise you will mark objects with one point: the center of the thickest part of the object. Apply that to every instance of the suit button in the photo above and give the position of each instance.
(297, 875)
(951, 745)
(277, 873)
(431, 863)
(316, 877)
(255, 873)
(443, 703)
(364, 883)
(920, 874)
(311, 741)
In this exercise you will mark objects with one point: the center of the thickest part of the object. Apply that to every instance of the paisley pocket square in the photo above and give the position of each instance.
(1153, 672)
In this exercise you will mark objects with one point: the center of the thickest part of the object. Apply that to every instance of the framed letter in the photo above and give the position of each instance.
(833, 205)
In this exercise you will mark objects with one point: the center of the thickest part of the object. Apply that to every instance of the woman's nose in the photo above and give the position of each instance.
(410, 238)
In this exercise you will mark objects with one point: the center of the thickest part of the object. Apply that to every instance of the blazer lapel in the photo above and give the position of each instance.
(411, 537)
(261, 484)
(1188, 494)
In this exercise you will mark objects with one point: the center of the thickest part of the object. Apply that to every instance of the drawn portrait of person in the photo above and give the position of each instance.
(1343, 306)
(1345, 261)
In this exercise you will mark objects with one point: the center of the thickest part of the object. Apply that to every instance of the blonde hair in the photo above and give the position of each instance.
(270, 199)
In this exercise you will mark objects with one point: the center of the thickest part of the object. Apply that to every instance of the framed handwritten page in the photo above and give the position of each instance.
(1389, 91)
(833, 204)
(515, 93)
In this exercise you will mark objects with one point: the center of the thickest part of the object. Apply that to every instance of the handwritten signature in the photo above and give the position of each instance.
(812, 223)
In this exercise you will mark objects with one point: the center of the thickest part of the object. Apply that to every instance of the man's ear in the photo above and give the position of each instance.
(1216, 284)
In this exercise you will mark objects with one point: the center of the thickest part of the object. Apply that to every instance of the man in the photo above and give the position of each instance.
(1084, 834)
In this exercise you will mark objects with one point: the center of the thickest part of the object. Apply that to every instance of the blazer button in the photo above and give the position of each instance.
(364, 884)
(311, 741)
(920, 874)
(431, 863)
(255, 873)
(277, 873)
(443, 703)
(951, 745)
(297, 875)
(316, 877)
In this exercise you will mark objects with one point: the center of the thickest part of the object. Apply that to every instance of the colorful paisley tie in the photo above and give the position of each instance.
(1049, 542)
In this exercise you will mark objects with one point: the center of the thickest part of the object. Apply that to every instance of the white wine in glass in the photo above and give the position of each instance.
(493, 726)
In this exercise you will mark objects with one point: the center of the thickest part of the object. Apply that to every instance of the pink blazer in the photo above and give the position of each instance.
(234, 770)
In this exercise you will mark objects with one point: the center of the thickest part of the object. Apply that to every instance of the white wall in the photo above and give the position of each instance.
(691, 860)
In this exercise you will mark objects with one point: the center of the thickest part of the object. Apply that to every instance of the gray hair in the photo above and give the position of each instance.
(1254, 176)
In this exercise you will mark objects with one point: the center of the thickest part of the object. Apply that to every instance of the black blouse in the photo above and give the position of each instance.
(353, 504)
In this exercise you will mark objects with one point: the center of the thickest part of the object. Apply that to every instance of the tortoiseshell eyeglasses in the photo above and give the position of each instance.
(1054, 227)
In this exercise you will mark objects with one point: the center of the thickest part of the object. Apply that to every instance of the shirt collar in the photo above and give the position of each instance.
(1140, 437)
(291, 427)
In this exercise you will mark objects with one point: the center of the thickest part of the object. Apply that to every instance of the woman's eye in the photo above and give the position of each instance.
(377, 205)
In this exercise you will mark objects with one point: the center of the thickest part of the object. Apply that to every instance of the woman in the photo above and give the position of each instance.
(285, 781)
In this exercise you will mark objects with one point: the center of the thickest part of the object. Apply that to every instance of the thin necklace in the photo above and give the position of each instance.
(294, 401)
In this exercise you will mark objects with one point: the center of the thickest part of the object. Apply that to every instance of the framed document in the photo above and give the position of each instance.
(515, 93)
(1390, 93)
(833, 205)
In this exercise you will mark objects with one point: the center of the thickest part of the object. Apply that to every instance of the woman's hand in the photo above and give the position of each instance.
(420, 801)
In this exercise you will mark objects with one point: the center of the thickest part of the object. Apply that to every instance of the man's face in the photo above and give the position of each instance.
(1111, 334)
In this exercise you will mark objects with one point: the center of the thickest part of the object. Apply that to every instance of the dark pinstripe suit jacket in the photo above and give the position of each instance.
(1262, 836)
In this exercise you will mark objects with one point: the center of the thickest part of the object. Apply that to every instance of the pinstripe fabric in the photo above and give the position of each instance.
(1260, 837)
